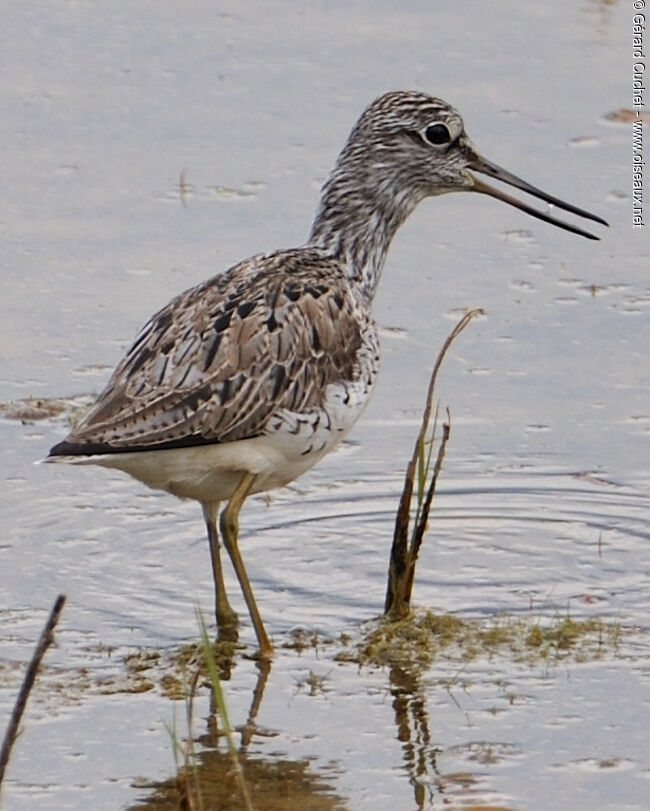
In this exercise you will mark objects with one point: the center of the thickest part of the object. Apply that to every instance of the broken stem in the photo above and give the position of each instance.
(403, 556)
(44, 642)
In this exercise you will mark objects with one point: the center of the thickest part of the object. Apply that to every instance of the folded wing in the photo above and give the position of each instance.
(221, 359)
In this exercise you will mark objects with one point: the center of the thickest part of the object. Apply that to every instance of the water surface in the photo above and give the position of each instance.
(149, 146)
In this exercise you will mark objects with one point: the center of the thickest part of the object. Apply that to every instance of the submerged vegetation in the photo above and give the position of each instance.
(422, 639)
(35, 409)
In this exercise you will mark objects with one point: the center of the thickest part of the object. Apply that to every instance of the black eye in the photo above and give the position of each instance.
(437, 134)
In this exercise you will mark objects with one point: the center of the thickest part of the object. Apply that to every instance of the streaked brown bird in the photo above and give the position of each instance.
(244, 382)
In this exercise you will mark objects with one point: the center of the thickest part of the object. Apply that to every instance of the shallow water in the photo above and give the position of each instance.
(146, 147)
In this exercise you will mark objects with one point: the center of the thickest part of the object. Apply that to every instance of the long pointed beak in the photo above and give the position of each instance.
(479, 164)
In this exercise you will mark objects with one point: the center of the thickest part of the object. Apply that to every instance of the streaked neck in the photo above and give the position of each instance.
(357, 218)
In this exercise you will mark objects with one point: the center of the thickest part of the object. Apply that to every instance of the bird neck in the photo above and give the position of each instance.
(357, 218)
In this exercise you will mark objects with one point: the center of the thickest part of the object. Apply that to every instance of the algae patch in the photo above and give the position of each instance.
(36, 409)
(423, 638)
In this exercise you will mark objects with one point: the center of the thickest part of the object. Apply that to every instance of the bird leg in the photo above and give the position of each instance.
(229, 533)
(226, 617)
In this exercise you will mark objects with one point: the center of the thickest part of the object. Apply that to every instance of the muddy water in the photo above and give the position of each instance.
(146, 147)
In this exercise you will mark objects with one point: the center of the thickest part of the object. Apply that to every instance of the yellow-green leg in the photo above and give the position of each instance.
(229, 533)
(226, 617)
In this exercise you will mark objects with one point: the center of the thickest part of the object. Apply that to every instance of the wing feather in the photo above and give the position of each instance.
(221, 359)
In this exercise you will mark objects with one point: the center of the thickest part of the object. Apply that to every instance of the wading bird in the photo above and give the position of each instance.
(244, 382)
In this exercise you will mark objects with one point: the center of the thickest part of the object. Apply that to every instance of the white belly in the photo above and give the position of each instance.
(292, 444)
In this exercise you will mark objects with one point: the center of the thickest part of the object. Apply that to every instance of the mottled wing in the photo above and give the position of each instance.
(219, 360)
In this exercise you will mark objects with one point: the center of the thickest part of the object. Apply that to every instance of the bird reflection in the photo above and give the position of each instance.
(413, 732)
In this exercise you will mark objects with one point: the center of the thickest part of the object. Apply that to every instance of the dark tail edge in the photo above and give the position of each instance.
(67, 448)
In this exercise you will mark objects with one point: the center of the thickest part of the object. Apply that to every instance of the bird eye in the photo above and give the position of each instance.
(437, 134)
